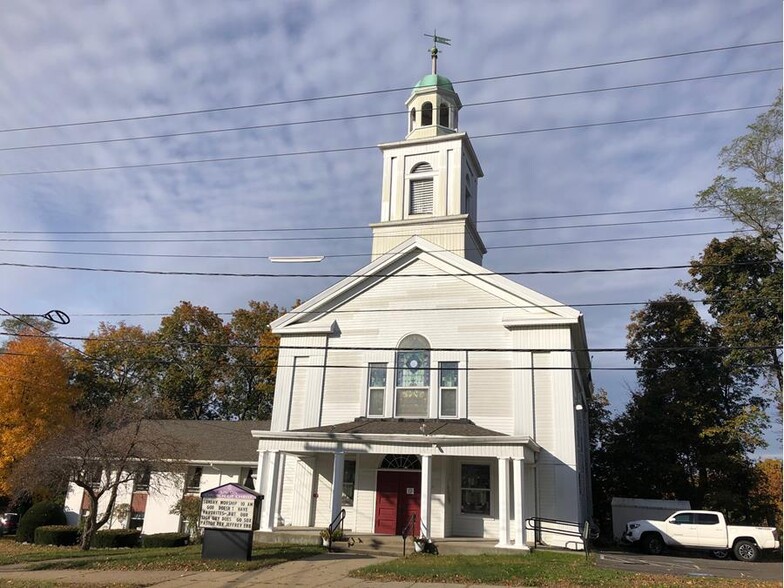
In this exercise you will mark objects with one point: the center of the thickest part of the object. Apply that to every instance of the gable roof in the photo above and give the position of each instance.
(211, 441)
(533, 308)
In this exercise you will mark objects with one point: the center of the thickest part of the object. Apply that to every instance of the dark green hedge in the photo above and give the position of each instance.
(117, 538)
(57, 535)
(165, 540)
(40, 515)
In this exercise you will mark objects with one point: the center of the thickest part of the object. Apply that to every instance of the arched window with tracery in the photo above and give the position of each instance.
(412, 377)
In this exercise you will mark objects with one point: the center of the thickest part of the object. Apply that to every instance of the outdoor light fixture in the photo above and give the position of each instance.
(297, 259)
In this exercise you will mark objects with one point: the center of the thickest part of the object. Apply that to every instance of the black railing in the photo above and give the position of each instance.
(337, 523)
(541, 525)
(408, 530)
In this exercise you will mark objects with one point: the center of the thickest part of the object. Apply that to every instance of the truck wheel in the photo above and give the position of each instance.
(652, 543)
(745, 550)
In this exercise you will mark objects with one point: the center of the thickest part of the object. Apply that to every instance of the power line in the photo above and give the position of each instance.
(354, 237)
(389, 90)
(439, 275)
(235, 158)
(373, 115)
(341, 228)
(407, 309)
(229, 345)
(342, 255)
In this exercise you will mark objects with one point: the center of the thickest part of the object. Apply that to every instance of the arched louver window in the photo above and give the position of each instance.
(443, 114)
(427, 114)
(421, 196)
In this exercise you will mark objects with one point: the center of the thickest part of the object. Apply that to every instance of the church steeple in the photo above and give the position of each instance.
(430, 179)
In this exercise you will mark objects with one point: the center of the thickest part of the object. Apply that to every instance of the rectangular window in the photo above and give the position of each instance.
(248, 478)
(411, 402)
(193, 479)
(136, 521)
(447, 385)
(475, 489)
(141, 480)
(92, 476)
(349, 475)
(377, 383)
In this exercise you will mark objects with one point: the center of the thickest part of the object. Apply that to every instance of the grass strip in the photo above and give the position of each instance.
(540, 568)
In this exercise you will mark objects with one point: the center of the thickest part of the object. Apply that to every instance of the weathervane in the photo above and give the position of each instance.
(434, 48)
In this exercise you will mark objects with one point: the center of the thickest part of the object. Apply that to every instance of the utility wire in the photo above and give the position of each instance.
(161, 342)
(390, 90)
(367, 116)
(380, 275)
(432, 369)
(366, 254)
(368, 147)
(354, 237)
(339, 228)
(408, 309)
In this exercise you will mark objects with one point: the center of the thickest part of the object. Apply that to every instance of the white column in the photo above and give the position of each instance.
(260, 472)
(503, 502)
(518, 465)
(270, 490)
(337, 482)
(425, 496)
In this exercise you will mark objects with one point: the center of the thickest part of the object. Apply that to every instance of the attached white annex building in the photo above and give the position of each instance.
(425, 384)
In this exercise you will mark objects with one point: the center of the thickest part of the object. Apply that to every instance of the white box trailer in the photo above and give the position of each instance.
(632, 509)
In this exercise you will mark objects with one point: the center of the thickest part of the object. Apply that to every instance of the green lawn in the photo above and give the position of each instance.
(158, 558)
(541, 568)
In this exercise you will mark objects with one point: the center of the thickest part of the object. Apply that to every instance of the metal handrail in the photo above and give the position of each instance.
(408, 530)
(333, 526)
(535, 524)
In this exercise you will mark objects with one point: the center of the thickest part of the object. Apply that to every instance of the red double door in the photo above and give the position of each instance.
(398, 495)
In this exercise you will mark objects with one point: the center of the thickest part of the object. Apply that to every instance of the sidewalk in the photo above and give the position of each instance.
(329, 570)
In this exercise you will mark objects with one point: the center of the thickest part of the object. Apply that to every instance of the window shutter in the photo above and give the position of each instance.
(421, 196)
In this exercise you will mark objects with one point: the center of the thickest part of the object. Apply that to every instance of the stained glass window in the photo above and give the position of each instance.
(412, 377)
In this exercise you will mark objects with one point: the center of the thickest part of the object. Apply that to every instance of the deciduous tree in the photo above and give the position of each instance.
(742, 281)
(194, 343)
(757, 154)
(253, 359)
(690, 424)
(119, 363)
(36, 399)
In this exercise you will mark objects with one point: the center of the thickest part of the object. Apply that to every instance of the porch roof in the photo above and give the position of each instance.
(459, 437)
(399, 426)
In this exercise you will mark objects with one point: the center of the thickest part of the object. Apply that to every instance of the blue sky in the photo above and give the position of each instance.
(85, 61)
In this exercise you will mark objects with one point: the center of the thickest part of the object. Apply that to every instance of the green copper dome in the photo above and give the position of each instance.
(435, 80)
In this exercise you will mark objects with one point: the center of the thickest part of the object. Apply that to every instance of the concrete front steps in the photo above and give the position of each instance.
(391, 545)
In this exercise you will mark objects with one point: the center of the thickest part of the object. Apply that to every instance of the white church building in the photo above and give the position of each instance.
(425, 387)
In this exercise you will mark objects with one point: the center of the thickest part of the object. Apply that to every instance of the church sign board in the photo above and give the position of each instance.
(229, 515)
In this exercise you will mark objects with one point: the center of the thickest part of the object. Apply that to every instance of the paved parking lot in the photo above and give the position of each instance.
(689, 564)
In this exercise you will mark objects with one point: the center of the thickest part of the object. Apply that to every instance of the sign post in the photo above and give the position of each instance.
(229, 515)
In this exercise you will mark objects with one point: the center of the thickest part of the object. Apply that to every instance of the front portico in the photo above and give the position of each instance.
(460, 480)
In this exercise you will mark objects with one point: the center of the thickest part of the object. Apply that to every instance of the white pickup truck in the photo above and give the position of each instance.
(701, 529)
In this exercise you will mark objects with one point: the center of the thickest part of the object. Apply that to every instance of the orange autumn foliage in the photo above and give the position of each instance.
(35, 398)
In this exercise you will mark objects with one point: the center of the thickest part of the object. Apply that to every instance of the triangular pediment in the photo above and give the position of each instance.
(416, 259)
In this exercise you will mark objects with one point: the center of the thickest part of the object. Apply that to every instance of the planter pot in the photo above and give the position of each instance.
(419, 547)
(325, 542)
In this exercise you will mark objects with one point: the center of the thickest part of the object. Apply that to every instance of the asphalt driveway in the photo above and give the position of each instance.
(689, 564)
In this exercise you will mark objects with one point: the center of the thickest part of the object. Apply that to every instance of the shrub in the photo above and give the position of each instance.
(39, 515)
(57, 535)
(165, 540)
(117, 538)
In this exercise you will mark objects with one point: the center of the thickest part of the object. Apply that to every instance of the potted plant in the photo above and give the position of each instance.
(425, 545)
(326, 537)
